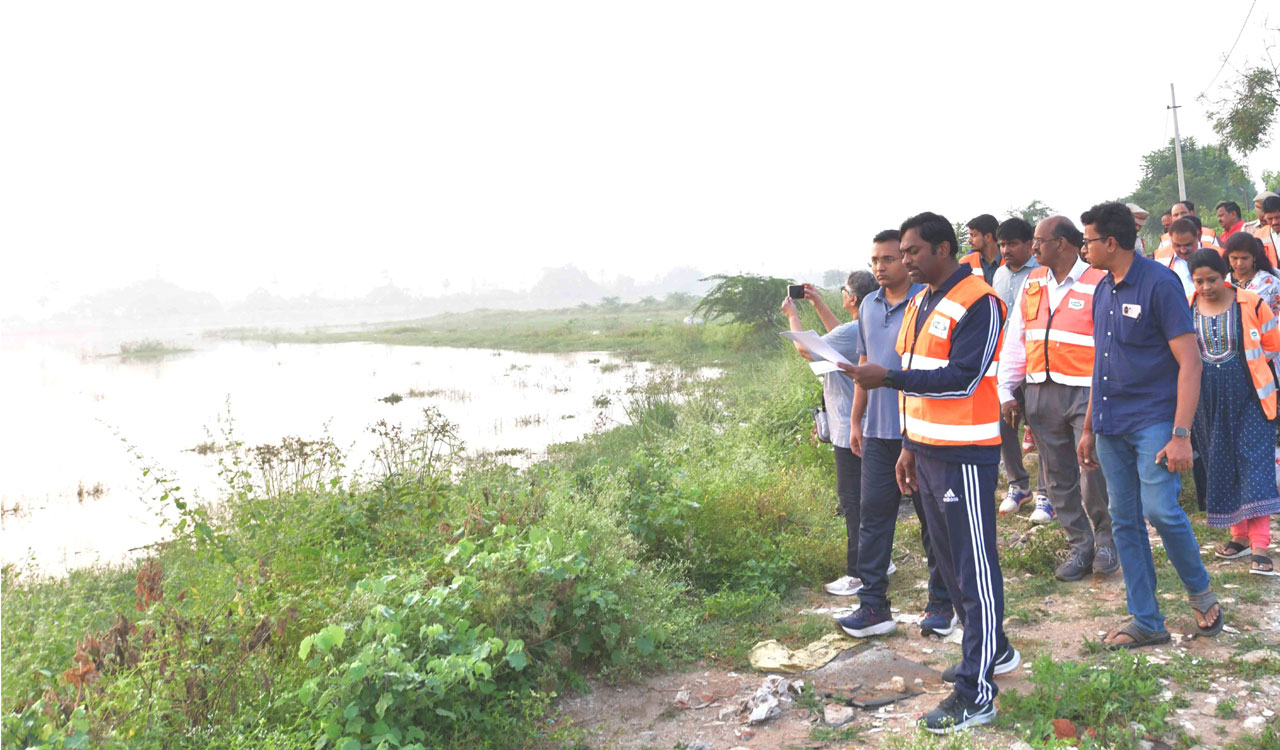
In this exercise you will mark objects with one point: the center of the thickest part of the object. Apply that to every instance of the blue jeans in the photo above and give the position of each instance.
(1139, 486)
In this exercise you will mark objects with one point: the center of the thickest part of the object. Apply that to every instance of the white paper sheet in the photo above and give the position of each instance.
(818, 349)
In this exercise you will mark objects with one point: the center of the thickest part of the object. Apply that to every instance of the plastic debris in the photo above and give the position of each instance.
(771, 656)
(768, 698)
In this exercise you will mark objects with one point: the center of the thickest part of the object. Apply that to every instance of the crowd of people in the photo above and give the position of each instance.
(1127, 368)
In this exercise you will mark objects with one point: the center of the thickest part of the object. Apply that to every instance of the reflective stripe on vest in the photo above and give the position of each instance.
(974, 261)
(968, 420)
(1059, 343)
(1261, 334)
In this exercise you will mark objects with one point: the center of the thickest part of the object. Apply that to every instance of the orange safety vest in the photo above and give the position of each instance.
(1264, 234)
(1060, 342)
(1208, 238)
(1261, 334)
(974, 261)
(1165, 253)
(970, 420)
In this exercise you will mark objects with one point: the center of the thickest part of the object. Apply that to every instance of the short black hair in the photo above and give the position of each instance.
(933, 228)
(1065, 229)
(984, 224)
(1112, 220)
(1231, 206)
(887, 235)
(1190, 206)
(860, 284)
(1242, 242)
(1207, 257)
(1016, 228)
(1270, 204)
(1185, 226)
(1166, 213)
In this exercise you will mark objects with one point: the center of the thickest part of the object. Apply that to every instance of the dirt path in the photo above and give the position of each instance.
(647, 715)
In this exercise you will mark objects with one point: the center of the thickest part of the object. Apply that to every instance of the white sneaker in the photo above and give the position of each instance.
(1044, 511)
(892, 569)
(1013, 499)
(844, 586)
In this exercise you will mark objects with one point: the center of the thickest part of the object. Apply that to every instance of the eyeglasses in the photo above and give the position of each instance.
(1085, 242)
(847, 290)
(1037, 241)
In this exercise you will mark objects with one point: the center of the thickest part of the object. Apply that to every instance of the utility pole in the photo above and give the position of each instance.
(1177, 146)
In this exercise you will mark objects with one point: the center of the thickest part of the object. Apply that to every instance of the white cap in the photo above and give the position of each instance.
(1136, 209)
(1264, 195)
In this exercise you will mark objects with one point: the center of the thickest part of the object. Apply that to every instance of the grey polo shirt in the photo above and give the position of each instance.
(1008, 283)
(878, 341)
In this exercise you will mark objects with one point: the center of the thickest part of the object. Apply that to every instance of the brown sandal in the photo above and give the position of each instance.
(1139, 638)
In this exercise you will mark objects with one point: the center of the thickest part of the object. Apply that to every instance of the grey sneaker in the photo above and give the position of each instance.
(1106, 561)
(1075, 568)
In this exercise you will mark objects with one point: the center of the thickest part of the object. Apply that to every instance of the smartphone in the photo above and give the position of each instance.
(795, 291)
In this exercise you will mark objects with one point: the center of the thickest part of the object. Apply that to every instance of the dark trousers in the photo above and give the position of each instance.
(959, 501)
(1011, 452)
(880, 498)
(849, 490)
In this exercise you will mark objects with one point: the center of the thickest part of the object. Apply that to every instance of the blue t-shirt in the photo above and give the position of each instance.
(837, 388)
(878, 342)
(1135, 376)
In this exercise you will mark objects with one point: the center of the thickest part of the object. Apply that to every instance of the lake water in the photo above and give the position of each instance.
(73, 491)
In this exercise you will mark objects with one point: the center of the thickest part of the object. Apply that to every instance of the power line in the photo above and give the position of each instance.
(1239, 34)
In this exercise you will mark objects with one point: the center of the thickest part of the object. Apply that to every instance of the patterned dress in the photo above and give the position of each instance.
(1231, 429)
(1265, 286)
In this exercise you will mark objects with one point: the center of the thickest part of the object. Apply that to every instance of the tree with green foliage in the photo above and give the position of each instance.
(1271, 180)
(832, 278)
(746, 298)
(1035, 211)
(1244, 114)
(1211, 174)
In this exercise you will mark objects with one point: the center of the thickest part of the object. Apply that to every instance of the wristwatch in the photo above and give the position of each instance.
(1181, 432)
(888, 379)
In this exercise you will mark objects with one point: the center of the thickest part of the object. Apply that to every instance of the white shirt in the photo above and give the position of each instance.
(1012, 371)
(1179, 266)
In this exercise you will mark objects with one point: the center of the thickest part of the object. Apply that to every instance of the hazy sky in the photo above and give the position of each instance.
(327, 146)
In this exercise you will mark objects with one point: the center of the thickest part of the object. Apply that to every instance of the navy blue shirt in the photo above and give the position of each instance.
(1135, 377)
(973, 348)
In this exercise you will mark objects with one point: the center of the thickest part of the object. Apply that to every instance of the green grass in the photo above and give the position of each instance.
(147, 349)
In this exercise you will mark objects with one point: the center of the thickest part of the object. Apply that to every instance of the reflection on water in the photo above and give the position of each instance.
(74, 493)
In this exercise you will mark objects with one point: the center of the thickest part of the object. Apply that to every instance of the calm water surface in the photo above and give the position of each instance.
(73, 493)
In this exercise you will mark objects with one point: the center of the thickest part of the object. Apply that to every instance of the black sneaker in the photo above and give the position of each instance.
(866, 622)
(956, 712)
(939, 619)
(1006, 662)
